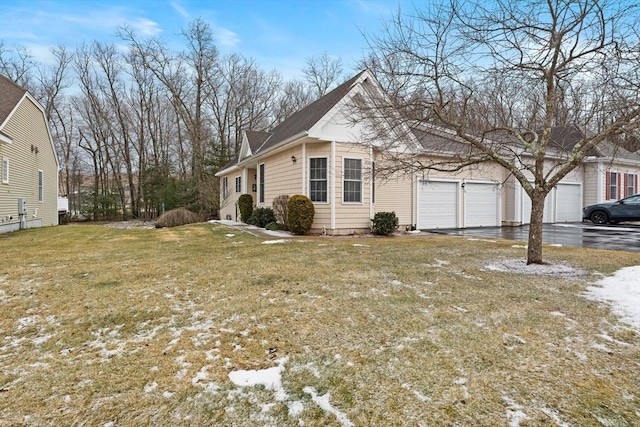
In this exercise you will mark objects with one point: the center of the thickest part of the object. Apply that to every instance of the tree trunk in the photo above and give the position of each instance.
(534, 251)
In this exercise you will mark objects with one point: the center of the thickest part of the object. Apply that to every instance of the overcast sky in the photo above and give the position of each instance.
(279, 34)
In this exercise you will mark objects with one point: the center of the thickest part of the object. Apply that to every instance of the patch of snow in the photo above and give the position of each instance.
(601, 347)
(482, 240)
(360, 245)
(167, 394)
(295, 408)
(149, 388)
(557, 314)
(553, 414)
(519, 265)
(229, 235)
(515, 415)
(274, 242)
(622, 291)
(269, 378)
(324, 403)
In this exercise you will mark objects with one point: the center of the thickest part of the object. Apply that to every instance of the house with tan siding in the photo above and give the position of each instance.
(29, 162)
(319, 152)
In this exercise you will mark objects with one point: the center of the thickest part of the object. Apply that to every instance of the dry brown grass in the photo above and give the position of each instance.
(142, 327)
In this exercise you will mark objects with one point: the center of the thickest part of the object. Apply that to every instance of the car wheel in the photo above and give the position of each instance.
(599, 217)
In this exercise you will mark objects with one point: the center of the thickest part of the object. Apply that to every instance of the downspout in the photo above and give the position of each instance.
(333, 185)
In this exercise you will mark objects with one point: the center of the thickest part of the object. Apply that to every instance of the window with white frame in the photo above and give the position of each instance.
(5, 170)
(631, 185)
(238, 184)
(318, 179)
(261, 187)
(352, 181)
(40, 186)
(225, 187)
(612, 186)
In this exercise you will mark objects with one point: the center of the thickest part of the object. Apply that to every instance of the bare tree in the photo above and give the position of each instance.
(322, 73)
(499, 76)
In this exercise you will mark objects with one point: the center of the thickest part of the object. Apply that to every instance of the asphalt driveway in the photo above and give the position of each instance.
(619, 237)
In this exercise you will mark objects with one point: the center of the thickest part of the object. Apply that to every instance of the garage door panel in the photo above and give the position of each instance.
(481, 201)
(438, 204)
(568, 203)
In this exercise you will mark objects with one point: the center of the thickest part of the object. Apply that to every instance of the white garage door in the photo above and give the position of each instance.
(437, 204)
(568, 203)
(481, 204)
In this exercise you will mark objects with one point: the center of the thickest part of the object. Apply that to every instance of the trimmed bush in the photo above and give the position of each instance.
(274, 226)
(176, 217)
(384, 223)
(261, 217)
(280, 209)
(245, 206)
(301, 213)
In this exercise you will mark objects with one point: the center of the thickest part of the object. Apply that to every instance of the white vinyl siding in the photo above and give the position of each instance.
(352, 181)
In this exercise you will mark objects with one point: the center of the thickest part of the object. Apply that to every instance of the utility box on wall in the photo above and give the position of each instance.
(22, 206)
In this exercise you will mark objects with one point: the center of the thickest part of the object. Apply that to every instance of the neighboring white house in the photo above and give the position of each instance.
(29, 178)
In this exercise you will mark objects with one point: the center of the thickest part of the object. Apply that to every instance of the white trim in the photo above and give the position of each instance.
(361, 202)
(304, 171)
(333, 185)
(599, 182)
(5, 138)
(371, 183)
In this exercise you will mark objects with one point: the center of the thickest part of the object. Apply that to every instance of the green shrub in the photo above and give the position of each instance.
(384, 223)
(176, 217)
(274, 226)
(245, 205)
(261, 217)
(300, 214)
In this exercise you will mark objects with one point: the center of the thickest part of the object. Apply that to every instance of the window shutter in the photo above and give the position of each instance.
(607, 184)
(626, 185)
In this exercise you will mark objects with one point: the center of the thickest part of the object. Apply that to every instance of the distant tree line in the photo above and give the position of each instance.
(148, 127)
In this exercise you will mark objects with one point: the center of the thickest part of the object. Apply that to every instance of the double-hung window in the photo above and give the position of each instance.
(40, 186)
(318, 179)
(225, 187)
(261, 186)
(5, 170)
(631, 184)
(238, 184)
(612, 186)
(352, 181)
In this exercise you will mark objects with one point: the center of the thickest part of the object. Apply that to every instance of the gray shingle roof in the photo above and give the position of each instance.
(566, 137)
(304, 119)
(10, 95)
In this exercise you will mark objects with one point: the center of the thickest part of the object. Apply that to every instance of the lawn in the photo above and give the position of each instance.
(206, 325)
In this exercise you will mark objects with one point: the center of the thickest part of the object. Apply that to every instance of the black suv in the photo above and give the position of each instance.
(627, 209)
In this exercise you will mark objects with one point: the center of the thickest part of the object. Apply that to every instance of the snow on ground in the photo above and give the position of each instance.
(622, 291)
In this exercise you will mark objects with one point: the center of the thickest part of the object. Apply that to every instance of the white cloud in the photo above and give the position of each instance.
(181, 10)
(146, 27)
(225, 37)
